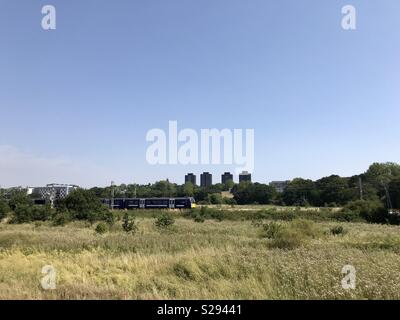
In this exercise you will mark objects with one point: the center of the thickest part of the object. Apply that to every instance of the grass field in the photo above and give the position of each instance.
(210, 260)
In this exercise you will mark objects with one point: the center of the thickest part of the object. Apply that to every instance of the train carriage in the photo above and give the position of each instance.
(150, 203)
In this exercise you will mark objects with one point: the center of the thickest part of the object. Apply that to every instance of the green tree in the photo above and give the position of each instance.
(83, 205)
(27, 213)
(229, 184)
(301, 192)
(4, 208)
(128, 224)
(394, 192)
(249, 193)
(333, 190)
(19, 198)
(382, 173)
(188, 189)
(215, 198)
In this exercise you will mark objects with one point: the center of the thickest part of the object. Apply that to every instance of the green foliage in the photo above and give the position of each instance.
(249, 193)
(19, 198)
(230, 184)
(337, 230)
(305, 227)
(371, 211)
(394, 192)
(333, 190)
(110, 218)
(300, 192)
(164, 221)
(287, 239)
(347, 216)
(83, 205)
(101, 228)
(198, 218)
(128, 224)
(61, 218)
(270, 230)
(25, 213)
(327, 191)
(215, 198)
(188, 189)
(229, 201)
(291, 235)
(4, 209)
(379, 173)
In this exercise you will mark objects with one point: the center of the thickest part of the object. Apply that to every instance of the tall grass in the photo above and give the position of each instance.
(225, 259)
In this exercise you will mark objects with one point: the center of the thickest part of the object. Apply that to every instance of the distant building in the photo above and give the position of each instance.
(205, 179)
(227, 176)
(190, 177)
(244, 176)
(279, 186)
(52, 191)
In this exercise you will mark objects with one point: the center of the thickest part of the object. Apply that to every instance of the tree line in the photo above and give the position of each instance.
(379, 181)
(369, 194)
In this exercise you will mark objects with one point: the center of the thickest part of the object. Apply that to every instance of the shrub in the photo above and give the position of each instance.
(101, 228)
(203, 211)
(271, 230)
(305, 227)
(83, 205)
(337, 230)
(217, 215)
(27, 213)
(19, 199)
(164, 221)
(215, 198)
(288, 239)
(128, 224)
(198, 218)
(110, 218)
(291, 235)
(347, 216)
(4, 209)
(61, 218)
(230, 201)
(370, 210)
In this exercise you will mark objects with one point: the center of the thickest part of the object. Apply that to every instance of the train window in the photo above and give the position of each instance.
(133, 202)
(157, 202)
(180, 201)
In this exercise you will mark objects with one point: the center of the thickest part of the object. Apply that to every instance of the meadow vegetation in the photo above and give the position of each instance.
(244, 257)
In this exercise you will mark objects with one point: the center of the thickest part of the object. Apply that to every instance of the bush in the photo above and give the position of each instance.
(4, 209)
(164, 221)
(337, 230)
(369, 210)
(19, 199)
(128, 224)
(347, 216)
(27, 213)
(110, 218)
(198, 218)
(290, 236)
(229, 201)
(61, 218)
(215, 198)
(271, 230)
(83, 205)
(288, 239)
(305, 227)
(101, 228)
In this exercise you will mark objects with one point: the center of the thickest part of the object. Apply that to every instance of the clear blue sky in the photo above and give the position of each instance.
(76, 102)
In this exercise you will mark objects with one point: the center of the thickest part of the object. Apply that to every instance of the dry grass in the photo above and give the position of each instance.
(210, 260)
(252, 207)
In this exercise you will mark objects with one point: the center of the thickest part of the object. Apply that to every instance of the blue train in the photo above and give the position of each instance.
(150, 203)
